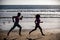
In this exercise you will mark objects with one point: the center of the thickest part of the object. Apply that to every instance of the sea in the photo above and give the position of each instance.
(50, 15)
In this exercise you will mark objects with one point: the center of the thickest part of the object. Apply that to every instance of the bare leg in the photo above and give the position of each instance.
(11, 30)
(19, 29)
(41, 31)
(33, 30)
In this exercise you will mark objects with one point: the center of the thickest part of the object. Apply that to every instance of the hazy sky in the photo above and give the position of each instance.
(29, 2)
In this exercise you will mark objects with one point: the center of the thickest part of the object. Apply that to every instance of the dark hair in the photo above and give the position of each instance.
(18, 14)
(37, 16)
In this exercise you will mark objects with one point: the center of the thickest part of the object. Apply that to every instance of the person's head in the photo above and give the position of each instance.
(18, 14)
(37, 16)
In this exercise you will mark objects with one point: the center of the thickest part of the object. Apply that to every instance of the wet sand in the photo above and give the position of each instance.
(50, 34)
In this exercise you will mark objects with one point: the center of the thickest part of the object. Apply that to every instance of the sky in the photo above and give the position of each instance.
(29, 2)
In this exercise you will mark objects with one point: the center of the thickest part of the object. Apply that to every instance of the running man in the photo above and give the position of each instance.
(37, 22)
(16, 23)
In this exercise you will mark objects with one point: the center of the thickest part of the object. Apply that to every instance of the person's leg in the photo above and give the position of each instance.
(41, 30)
(11, 30)
(20, 28)
(33, 30)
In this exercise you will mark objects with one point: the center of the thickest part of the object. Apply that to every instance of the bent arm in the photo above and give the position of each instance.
(41, 22)
(35, 21)
(13, 18)
(21, 17)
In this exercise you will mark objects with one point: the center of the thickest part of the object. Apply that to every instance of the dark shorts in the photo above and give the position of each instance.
(16, 24)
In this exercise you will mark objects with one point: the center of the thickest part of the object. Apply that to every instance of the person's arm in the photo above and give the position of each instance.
(21, 17)
(13, 18)
(41, 21)
(35, 21)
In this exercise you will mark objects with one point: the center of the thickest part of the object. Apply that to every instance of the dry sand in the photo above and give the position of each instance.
(36, 35)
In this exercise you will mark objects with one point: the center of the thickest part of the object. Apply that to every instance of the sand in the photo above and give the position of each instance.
(50, 34)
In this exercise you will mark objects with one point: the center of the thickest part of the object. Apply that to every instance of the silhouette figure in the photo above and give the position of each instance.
(16, 23)
(37, 22)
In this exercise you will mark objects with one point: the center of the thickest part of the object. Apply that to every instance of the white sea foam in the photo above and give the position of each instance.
(28, 23)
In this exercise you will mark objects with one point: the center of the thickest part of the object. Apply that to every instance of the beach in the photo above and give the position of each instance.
(50, 25)
(50, 34)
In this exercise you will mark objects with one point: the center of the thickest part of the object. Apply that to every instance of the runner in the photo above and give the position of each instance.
(37, 22)
(16, 23)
